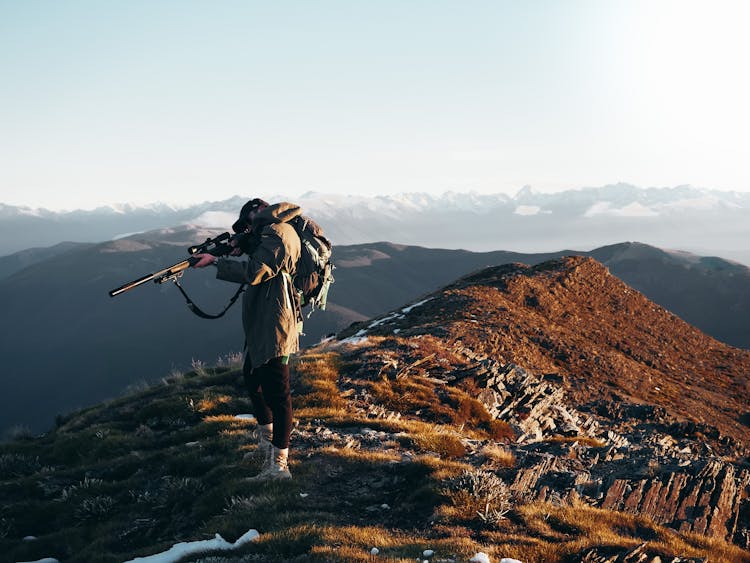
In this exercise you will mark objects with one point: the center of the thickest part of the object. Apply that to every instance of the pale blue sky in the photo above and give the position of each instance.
(183, 101)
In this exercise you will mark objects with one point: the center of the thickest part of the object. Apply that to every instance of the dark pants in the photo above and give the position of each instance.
(268, 386)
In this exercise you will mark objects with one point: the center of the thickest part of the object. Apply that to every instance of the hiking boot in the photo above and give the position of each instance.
(276, 468)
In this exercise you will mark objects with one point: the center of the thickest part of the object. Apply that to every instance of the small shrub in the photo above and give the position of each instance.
(16, 465)
(482, 493)
(199, 367)
(231, 360)
(86, 485)
(175, 376)
(94, 507)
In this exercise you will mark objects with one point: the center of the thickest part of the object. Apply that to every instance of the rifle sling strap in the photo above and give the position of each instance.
(198, 311)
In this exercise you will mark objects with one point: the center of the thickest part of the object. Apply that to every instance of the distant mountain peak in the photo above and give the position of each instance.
(524, 193)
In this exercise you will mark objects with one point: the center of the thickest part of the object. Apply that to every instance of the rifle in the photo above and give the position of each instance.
(217, 246)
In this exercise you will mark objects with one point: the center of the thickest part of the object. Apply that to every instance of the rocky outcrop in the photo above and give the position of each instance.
(705, 498)
(639, 554)
(650, 473)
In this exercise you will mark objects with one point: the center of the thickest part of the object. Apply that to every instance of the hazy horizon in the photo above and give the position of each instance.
(186, 203)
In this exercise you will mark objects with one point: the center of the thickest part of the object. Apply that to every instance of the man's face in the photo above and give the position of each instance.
(246, 224)
(252, 214)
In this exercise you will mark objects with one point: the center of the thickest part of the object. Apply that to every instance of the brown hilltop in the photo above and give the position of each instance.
(574, 322)
(600, 395)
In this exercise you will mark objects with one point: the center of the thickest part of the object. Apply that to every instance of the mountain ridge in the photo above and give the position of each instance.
(698, 220)
(569, 317)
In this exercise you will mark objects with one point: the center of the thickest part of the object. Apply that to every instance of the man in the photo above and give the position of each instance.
(270, 316)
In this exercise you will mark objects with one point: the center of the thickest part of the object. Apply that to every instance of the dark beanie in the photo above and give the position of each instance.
(252, 205)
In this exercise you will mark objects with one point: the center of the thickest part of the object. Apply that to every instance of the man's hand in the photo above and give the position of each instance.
(204, 260)
(236, 250)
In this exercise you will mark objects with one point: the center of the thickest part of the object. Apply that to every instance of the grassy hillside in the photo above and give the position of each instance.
(166, 464)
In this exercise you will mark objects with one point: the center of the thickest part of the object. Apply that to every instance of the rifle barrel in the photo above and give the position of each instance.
(156, 276)
(130, 285)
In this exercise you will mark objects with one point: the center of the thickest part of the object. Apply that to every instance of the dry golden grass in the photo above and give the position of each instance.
(329, 414)
(211, 403)
(462, 507)
(404, 395)
(560, 532)
(497, 456)
(442, 468)
(441, 441)
(230, 420)
(365, 456)
(440, 404)
(318, 376)
(354, 543)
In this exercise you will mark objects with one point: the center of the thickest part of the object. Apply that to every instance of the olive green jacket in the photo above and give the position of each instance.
(270, 312)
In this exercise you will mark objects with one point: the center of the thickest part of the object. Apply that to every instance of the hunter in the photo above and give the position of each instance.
(270, 317)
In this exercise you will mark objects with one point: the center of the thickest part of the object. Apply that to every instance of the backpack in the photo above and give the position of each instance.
(314, 274)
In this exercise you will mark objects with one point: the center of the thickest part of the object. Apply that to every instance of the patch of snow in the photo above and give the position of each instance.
(480, 557)
(354, 340)
(705, 203)
(29, 212)
(634, 209)
(45, 560)
(527, 210)
(509, 560)
(245, 416)
(304, 495)
(428, 553)
(374, 551)
(408, 309)
(182, 549)
(384, 320)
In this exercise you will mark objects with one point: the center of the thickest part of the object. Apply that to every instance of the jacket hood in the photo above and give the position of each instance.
(277, 213)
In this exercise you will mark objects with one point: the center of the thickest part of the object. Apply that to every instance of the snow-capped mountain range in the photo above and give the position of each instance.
(683, 217)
